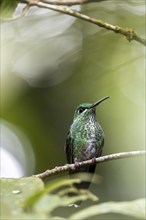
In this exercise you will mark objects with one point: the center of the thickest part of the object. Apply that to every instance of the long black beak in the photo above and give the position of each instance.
(98, 102)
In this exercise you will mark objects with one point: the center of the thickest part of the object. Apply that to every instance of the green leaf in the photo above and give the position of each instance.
(27, 198)
(8, 7)
(46, 203)
(15, 191)
(135, 209)
(50, 187)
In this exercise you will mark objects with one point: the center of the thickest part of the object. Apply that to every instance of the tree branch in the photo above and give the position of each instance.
(67, 167)
(67, 2)
(127, 32)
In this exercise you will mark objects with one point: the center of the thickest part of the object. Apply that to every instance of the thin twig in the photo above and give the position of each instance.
(67, 2)
(70, 2)
(127, 32)
(67, 167)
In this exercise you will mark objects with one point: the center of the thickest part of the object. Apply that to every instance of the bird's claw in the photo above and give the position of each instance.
(77, 165)
(94, 160)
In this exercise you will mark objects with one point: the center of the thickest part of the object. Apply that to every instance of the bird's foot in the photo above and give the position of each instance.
(77, 165)
(94, 160)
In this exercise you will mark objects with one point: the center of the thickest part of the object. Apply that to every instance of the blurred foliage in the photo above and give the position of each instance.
(8, 7)
(26, 198)
(51, 62)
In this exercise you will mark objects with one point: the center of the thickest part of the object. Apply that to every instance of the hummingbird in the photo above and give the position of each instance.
(85, 139)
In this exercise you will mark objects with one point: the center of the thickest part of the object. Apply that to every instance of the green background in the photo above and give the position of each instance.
(99, 63)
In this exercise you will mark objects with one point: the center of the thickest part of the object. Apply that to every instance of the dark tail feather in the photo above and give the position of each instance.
(86, 184)
(83, 184)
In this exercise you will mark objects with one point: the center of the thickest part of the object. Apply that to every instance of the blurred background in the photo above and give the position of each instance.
(52, 62)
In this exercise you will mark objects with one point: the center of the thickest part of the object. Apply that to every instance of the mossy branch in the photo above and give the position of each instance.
(76, 166)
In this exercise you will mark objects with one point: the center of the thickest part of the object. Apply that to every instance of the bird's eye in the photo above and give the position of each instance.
(80, 110)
